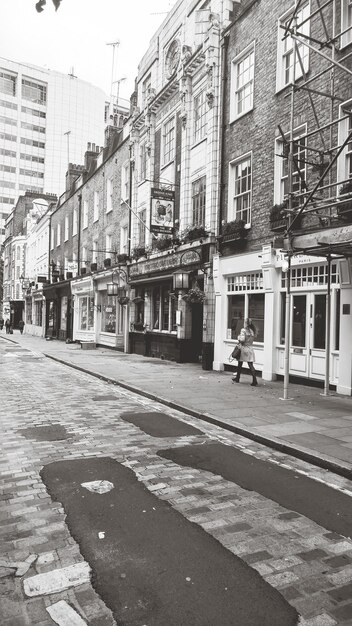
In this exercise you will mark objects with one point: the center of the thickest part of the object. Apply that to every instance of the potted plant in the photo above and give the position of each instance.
(344, 207)
(277, 217)
(162, 243)
(233, 231)
(192, 233)
(194, 295)
(123, 258)
(138, 252)
(123, 300)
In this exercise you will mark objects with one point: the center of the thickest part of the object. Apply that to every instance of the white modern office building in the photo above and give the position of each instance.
(46, 120)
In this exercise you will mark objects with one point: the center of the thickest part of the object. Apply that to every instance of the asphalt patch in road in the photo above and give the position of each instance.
(159, 424)
(324, 505)
(151, 565)
(54, 432)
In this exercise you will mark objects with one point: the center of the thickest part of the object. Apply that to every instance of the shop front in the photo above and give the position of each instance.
(255, 285)
(34, 318)
(59, 312)
(170, 295)
(112, 303)
(83, 299)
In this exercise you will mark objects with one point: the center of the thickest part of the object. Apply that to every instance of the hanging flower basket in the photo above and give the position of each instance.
(137, 299)
(194, 296)
(123, 300)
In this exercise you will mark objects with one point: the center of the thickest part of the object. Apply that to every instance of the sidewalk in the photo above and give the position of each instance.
(310, 426)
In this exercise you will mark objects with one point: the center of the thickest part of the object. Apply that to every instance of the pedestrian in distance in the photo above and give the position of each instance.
(21, 326)
(7, 326)
(1, 324)
(246, 337)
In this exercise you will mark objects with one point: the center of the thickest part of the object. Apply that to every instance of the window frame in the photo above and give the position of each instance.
(199, 199)
(158, 324)
(200, 106)
(109, 195)
(96, 200)
(279, 163)
(85, 214)
(283, 51)
(346, 22)
(344, 161)
(233, 213)
(169, 126)
(240, 58)
(58, 235)
(66, 228)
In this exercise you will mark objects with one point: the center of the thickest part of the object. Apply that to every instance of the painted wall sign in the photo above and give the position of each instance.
(162, 211)
(171, 261)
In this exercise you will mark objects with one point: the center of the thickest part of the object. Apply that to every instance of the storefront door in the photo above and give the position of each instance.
(308, 319)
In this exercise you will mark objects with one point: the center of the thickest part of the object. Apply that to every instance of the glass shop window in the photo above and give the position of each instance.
(235, 315)
(256, 313)
(108, 314)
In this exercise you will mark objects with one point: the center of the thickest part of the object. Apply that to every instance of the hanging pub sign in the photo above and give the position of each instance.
(162, 211)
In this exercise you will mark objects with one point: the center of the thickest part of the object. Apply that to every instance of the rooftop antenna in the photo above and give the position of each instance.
(71, 73)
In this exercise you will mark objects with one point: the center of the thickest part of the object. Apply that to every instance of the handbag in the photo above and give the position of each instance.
(235, 354)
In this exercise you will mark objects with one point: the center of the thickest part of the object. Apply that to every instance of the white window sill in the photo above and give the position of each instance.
(165, 165)
(198, 142)
(108, 211)
(235, 118)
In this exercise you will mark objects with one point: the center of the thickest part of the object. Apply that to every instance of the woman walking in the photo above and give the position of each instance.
(246, 338)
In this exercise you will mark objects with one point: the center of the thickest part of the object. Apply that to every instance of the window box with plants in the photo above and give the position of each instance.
(278, 217)
(344, 207)
(193, 233)
(233, 231)
(162, 243)
(123, 258)
(138, 253)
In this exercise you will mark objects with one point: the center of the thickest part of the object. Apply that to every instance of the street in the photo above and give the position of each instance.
(116, 509)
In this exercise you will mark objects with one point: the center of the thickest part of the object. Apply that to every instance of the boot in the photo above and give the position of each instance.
(254, 382)
(236, 379)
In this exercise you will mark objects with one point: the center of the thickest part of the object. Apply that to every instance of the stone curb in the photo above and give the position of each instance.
(299, 452)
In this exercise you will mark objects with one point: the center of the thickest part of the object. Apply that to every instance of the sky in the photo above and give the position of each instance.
(76, 36)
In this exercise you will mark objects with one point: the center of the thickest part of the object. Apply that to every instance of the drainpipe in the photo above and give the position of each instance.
(79, 235)
(224, 48)
(49, 260)
(130, 190)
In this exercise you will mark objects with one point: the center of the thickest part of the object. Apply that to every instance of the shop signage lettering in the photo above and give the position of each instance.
(171, 261)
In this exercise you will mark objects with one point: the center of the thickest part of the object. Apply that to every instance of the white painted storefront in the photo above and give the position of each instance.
(254, 285)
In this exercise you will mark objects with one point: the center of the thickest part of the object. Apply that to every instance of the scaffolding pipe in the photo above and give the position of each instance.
(322, 54)
(287, 329)
(327, 330)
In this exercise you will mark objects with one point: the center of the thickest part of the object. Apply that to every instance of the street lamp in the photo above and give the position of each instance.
(113, 288)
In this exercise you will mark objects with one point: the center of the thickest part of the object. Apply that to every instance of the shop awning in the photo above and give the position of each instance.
(57, 290)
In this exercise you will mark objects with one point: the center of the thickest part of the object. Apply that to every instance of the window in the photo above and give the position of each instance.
(8, 83)
(8, 120)
(86, 313)
(108, 314)
(38, 313)
(142, 215)
(124, 240)
(163, 309)
(31, 142)
(85, 214)
(84, 258)
(200, 116)
(242, 83)
(125, 181)
(29, 311)
(346, 22)
(198, 201)
(249, 304)
(168, 140)
(33, 127)
(66, 228)
(95, 251)
(299, 166)
(33, 112)
(344, 164)
(147, 83)
(31, 157)
(95, 208)
(52, 235)
(286, 45)
(35, 92)
(240, 189)
(109, 191)
(32, 173)
(74, 222)
(108, 246)
(142, 162)
(58, 234)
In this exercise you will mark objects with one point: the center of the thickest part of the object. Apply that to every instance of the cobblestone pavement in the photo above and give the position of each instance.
(309, 565)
